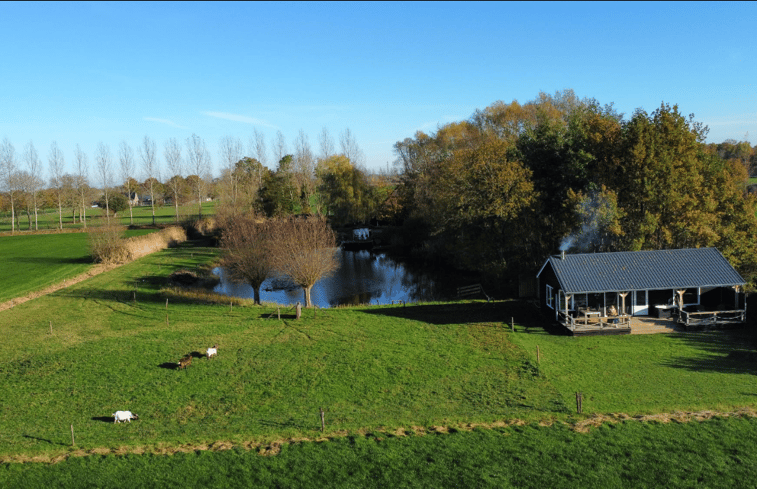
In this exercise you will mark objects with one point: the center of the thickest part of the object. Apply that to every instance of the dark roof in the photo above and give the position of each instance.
(639, 270)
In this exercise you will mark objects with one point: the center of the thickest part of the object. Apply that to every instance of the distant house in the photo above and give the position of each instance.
(133, 198)
(697, 287)
(146, 200)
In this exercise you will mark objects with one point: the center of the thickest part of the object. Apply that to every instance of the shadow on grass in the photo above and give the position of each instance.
(169, 365)
(527, 317)
(48, 441)
(728, 351)
(289, 423)
(103, 419)
(82, 260)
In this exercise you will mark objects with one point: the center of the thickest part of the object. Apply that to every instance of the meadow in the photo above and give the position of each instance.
(402, 390)
(47, 219)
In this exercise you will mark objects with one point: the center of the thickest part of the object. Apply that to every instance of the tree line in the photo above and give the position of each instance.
(332, 182)
(501, 191)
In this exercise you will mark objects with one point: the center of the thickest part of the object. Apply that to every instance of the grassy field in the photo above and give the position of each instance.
(32, 262)
(111, 343)
(713, 454)
(142, 216)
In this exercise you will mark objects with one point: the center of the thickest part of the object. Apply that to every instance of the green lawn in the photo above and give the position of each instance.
(33, 261)
(714, 454)
(648, 373)
(111, 343)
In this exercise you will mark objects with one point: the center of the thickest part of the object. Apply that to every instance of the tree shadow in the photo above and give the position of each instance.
(526, 317)
(725, 351)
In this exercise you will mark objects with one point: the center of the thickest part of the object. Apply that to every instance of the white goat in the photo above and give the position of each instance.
(212, 352)
(119, 416)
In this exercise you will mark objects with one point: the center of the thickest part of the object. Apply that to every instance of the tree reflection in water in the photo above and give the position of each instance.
(363, 277)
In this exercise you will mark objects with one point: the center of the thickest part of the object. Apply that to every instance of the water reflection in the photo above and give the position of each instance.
(362, 277)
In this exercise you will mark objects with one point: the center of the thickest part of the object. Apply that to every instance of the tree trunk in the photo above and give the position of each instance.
(256, 294)
(307, 295)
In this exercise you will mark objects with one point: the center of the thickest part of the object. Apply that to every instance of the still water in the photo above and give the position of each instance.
(362, 278)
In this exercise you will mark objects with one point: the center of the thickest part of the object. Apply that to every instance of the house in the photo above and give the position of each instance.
(133, 198)
(696, 287)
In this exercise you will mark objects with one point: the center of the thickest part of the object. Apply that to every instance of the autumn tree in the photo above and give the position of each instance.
(247, 250)
(305, 251)
(345, 189)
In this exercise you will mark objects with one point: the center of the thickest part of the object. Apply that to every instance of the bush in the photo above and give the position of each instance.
(107, 244)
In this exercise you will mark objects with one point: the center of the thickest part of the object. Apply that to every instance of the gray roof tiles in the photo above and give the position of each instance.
(639, 270)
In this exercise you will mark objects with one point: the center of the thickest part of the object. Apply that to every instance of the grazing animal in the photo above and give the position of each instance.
(212, 352)
(185, 361)
(119, 416)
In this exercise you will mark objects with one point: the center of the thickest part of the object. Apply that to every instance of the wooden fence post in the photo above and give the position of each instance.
(537, 354)
(323, 420)
(512, 325)
(579, 402)
(73, 442)
(166, 304)
(51, 327)
(278, 313)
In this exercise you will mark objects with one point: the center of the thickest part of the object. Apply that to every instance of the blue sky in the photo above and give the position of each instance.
(105, 72)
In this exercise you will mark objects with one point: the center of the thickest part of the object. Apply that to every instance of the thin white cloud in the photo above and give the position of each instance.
(164, 121)
(240, 118)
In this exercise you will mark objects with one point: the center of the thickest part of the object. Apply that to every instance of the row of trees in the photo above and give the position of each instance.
(511, 185)
(329, 183)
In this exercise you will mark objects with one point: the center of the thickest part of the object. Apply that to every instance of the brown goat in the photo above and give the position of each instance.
(185, 361)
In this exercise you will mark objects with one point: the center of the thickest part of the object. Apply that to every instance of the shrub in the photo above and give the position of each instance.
(107, 244)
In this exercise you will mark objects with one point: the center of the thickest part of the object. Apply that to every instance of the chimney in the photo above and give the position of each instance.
(562, 254)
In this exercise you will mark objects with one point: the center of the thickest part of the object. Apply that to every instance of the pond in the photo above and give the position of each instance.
(363, 277)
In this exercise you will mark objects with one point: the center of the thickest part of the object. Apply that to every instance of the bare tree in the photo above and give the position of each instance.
(82, 182)
(199, 162)
(57, 163)
(230, 149)
(279, 147)
(105, 172)
(150, 166)
(172, 154)
(258, 148)
(247, 242)
(326, 144)
(126, 158)
(34, 182)
(305, 251)
(7, 176)
(350, 148)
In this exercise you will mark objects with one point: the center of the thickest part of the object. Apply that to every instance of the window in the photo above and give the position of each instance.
(550, 297)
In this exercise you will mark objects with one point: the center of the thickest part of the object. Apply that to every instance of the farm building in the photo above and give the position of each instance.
(587, 292)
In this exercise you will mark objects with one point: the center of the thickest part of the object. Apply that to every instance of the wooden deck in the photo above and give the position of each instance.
(636, 325)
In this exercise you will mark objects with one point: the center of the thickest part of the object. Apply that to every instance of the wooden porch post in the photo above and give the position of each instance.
(623, 301)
